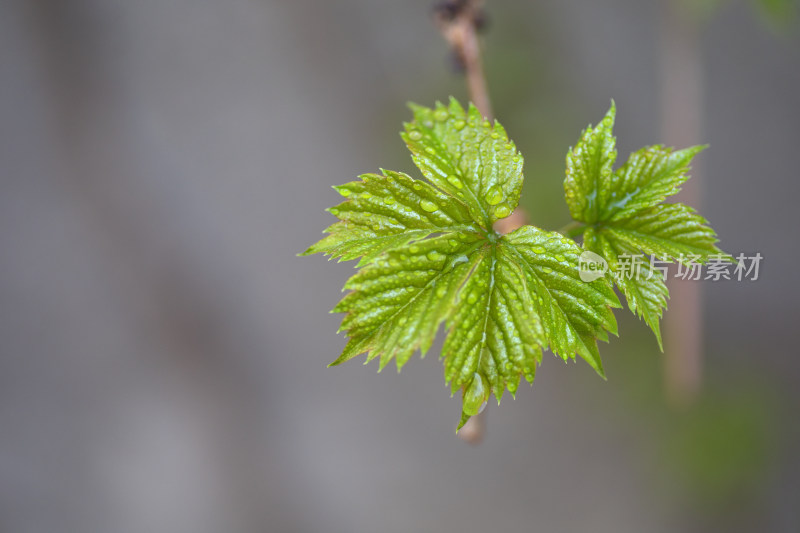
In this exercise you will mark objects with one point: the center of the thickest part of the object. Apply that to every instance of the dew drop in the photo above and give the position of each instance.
(494, 195)
(417, 186)
(495, 135)
(560, 258)
(475, 395)
(547, 270)
(389, 200)
(365, 195)
(433, 255)
(414, 249)
(455, 182)
(537, 249)
(333, 211)
(472, 298)
(502, 211)
(415, 135)
(440, 115)
(430, 150)
(344, 191)
(441, 291)
(459, 125)
(428, 206)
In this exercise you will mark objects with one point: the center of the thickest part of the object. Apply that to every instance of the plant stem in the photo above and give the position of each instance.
(573, 229)
(458, 28)
(457, 23)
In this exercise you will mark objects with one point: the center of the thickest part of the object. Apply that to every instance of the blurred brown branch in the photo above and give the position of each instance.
(459, 21)
(682, 110)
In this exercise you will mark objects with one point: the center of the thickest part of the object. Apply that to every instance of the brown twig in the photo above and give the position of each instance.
(458, 20)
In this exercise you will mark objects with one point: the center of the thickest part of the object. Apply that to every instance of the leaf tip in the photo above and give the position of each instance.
(464, 418)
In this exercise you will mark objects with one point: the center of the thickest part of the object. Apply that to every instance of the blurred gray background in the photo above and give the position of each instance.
(163, 352)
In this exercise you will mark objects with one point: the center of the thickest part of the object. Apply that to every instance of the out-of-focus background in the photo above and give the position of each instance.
(163, 351)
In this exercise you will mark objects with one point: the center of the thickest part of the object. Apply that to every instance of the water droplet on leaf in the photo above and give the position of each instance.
(433, 255)
(502, 211)
(475, 395)
(428, 206)
(455, 182)
(494, 195)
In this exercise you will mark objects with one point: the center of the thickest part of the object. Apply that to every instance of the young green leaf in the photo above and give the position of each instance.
(383, 212)
(466, 156)
(625, 215)
(589, 167)
(429, 255)
(648, 177)
(646, 292)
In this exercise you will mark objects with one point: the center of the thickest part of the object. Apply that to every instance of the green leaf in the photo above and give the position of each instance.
(589, 170)
(397, 302)
(645, 290)
(385, 212)
(648, 177)
(624, 212)
(573, 312)
(429, 256)
(466, 156)
(666, 231)
(503, 299)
